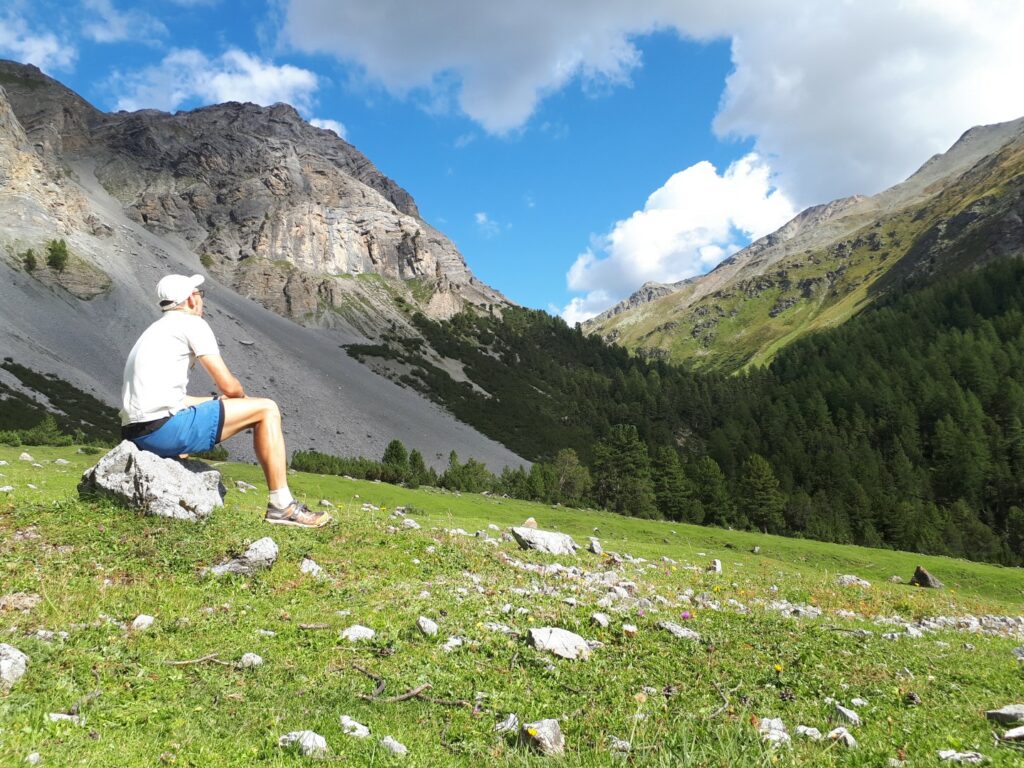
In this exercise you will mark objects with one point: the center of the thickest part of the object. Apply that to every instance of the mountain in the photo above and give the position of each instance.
(959, 210)
(306, 245)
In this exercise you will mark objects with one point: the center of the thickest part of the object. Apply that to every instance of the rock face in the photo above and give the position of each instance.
(924, 579)
(184, 490)
(545, 541)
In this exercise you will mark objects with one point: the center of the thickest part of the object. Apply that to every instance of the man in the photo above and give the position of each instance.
(158, 416)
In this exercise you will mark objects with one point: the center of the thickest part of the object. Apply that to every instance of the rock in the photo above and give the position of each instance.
(595, 546)
(912, 699)
(953, 756)
(61, 462)
(808, 733)
(306, 743)
(1018, 653)
(507, 725)
(25, 457)
(250, 661)
(715, 567)
(529, 523)
(426, 626)
(858, 702)
(13, 664)
(1014, 734)
(773, 731)
(678, 631)
(310, 567)
(1008, 715)
(142, 623)
(243, 486)
(411, 524)
(452, 643)
(545, 736)
(560, 642)
(353, 728)
(63, 717)
(545, 541)
(6, 488)
(325, 503)
(843, 736)
(895, 579)
(620, 746)
(601, 619)
(847, 714)
(184, 490)
(922, 578)
(849, 580)
(393, 746)
(629, 630)
(357, 633)
(260, 556)
(19, 601)
(756, 551)
(33, 758)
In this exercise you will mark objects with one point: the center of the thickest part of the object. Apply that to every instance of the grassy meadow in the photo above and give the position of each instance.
(94, 567)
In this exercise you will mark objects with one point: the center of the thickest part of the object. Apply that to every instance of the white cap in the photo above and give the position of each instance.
(174, 289)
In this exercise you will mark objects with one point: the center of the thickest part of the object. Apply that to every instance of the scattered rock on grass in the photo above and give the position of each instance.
(426, 626)
(1014, 734)
(922, 578)
(19, 601)
(307, 743)
(715, 567)
(808, 733)
(678, 631)
(394, 747)
(849, 580)
(25, 457)
(773, 731)
(629, 630)
(243, 486)
(142, 622)
(33, 758)
(601, 619)
(507, 725)
(354, 728)
(6, 488)
(545, 736)
(310, 567)
(63, 717)
(260, 555)
(595, 546)
(545, 541)
(619, 746)
(411, 524)
(184, 490)
(453, 642)
(971, 758)
(357, 633)
(13, 664)
(1008, 715)
(560, 642)
(843, 736)
(847, 714)
(529, 523)
(250, 661)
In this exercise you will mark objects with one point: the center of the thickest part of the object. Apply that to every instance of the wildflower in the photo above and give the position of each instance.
(532, 731)
(778, 668)
(641, 697)
(686, 615)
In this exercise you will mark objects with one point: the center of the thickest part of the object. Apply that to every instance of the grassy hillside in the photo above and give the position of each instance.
(94, 567)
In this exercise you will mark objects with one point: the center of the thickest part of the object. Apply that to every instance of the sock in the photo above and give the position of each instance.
(281, 498)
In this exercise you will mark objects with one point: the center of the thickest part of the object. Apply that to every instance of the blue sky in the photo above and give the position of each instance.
(571, 150)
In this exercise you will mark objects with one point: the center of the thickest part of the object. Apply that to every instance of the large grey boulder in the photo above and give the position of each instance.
(545, 541)
(180, 489)
(13, 664)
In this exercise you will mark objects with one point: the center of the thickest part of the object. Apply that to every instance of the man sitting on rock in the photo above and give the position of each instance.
(158, 416)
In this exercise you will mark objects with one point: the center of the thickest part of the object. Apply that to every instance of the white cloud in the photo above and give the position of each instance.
(43, 49)
(331, 125)
(487, 226)
(188, 75)
(844, 97)
(114, 26)
(691, 223)
(464, 140)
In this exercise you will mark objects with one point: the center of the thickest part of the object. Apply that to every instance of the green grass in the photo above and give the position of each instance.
(91, 560)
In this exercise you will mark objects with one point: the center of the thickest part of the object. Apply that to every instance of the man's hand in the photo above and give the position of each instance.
(225, 380)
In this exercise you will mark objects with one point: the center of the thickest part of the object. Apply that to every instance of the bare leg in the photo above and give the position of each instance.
(263, 415)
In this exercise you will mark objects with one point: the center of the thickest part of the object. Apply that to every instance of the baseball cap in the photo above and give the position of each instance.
(174, 289)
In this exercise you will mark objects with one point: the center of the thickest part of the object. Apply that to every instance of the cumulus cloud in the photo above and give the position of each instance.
(697, 218)
(43, 49)
(113, 26)
(331, 125)
(844, 97)
(487, 226)
(187, 75)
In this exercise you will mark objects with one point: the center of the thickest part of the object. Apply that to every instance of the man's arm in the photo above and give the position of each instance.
(225, 380)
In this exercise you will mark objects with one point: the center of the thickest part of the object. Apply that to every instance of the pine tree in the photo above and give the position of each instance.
(672, 491)
(759, 498)
(622, 473)
(57, 255)
(712, 493)
(396, 463)
(572, 479)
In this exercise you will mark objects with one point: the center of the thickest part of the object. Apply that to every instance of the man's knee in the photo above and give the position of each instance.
(270, 409)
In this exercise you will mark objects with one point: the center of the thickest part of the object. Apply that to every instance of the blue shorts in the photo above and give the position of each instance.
(193, 430)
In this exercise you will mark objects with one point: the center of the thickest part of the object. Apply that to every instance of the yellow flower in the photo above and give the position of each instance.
(532, 731)
(778, 667)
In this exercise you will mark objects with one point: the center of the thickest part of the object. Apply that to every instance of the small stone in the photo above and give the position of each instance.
(33, 758)
(250, 660)
(142, 623)
(1014, 734)
(621, 746)
(266, 633)
(629, 630)
(393, 746)
(529, 523)
(353, 728)
(493, 527)
(307, 743)
(859, 702)
(310, 567)
(357, 633)
(847, 714)
(426, 626)
(260, 555)
(243, 486)
(61, 462)
(19, 601)
(6, 488)
(595, 546)
(25, 457)
(808, 733)
(922, 578)
(560, 642)
(507, 725)
(773, 731)
(412, 525)
(325, 503)
(756, 551)
(600, 619)
(1008, 715)
(972, 758)
(895, 579)
(677, 631)
(62, 717)
(453, 642)
(545, 736)
(13, 664)
(849, 580)
(844, 737)
(715, 567)
(570, 601)
(912, 699)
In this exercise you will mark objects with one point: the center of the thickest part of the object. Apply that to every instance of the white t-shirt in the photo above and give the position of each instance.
(156, 374)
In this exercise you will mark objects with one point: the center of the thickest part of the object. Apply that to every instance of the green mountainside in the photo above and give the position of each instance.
(834, 261)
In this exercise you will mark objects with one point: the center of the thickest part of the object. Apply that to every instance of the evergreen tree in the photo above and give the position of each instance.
(29, 260)
(57, 255)
(759, 498)
(622, 473)
(672, 490)
(396, 462)
(572, 479)
(712, 493)
(419, 474)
